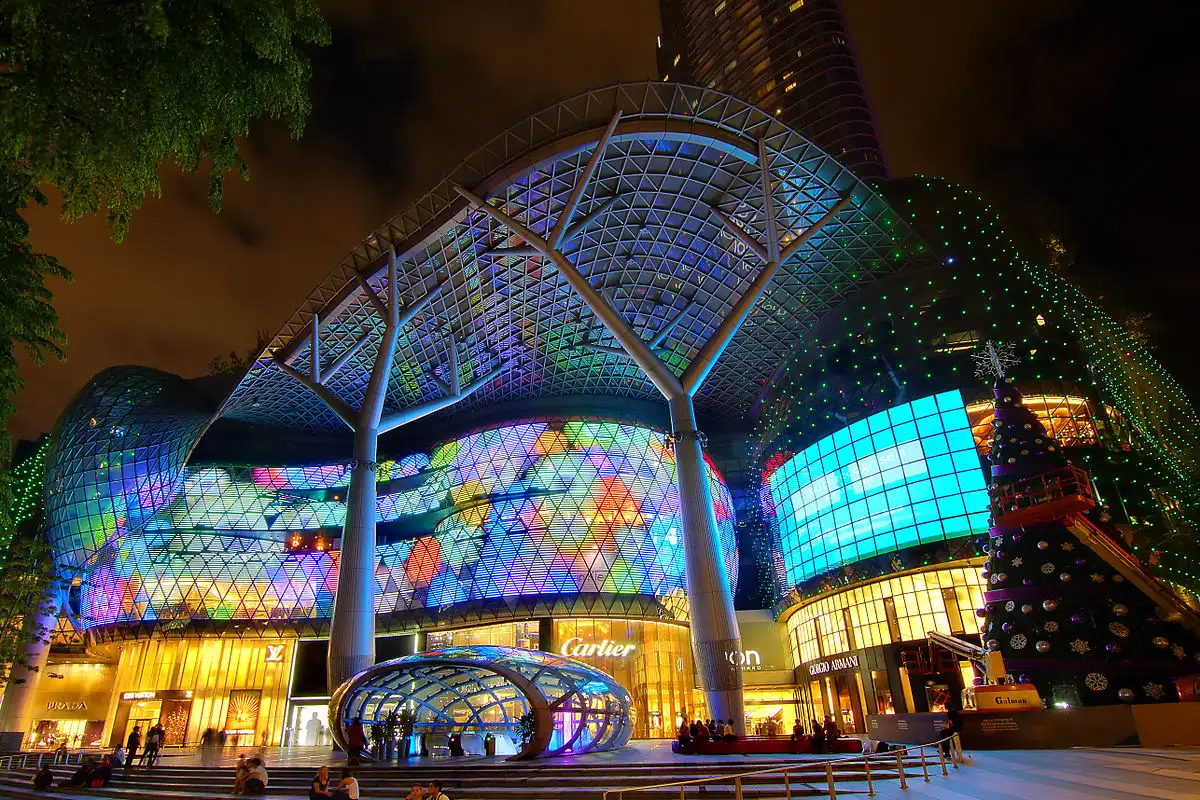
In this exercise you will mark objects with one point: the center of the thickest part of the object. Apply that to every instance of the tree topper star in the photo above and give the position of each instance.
(994, 359)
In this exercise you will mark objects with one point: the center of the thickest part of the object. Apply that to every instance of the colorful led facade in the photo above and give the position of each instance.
(903, 477)
(540, 509)
(118, 453)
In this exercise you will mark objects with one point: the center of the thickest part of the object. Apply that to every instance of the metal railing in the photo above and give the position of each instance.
(35, 760)
(893, 761)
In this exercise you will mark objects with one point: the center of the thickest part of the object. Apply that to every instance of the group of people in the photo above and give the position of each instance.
(347, 788)
(824, 736)
(91, 774)
(153, 745)
(707, 731)
(250, 776)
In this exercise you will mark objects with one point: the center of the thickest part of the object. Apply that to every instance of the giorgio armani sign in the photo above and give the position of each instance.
(835, 664)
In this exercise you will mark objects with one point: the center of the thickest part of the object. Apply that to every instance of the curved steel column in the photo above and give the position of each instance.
(715, 638)
(352, 628)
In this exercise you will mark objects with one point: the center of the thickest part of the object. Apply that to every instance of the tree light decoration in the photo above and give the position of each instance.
(995, 359)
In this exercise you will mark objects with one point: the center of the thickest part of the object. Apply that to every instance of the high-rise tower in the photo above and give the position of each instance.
(792, 57)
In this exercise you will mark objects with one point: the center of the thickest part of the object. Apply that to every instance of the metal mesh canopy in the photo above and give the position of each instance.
(645, 236)
(487, 689)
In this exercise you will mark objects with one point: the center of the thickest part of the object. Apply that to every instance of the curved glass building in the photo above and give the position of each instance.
(646, 352)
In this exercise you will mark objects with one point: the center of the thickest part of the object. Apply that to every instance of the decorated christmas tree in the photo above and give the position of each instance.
(1063, 619)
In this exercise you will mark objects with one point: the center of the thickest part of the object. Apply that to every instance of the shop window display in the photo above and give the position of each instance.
(920, 606)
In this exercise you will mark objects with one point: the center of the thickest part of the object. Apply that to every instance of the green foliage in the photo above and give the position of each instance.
(96, 96)
(27, 320)
(406, 720)
(29, 587)
(526, 727)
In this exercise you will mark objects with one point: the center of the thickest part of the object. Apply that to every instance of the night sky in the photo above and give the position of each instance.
(1074, 117)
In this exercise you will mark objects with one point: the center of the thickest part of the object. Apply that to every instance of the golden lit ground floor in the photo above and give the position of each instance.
(847, 653)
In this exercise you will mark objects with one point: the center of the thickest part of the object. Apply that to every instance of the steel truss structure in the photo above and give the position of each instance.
(487, 689)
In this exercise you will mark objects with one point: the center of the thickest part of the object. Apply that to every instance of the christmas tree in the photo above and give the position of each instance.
(1063, 619)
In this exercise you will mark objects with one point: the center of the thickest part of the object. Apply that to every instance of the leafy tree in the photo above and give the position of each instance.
(96, 96)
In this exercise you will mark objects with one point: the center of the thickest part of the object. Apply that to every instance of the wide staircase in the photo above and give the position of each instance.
(490, 779)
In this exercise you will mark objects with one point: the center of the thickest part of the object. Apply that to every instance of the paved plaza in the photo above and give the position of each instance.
(1076, 774)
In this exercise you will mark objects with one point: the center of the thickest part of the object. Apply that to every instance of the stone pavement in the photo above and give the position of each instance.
(1077, 774)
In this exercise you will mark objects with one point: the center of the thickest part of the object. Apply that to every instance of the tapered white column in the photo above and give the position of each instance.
(716, 640)
(352, 628)
(17, 706)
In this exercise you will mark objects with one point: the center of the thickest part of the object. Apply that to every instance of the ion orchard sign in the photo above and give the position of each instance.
(836, 664)
(748, 660)
(575, 647)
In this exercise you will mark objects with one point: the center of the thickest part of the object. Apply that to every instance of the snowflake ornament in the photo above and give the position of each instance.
(1018, 642)
(1118, 630)
(1050, 627)
(1047, 568)
(994, 360)
(1097, 577)
(1153, 690)
(1096, 682)
(1018, 561)
(1010, 605)
(1068, 546)
(1080, 647)
(1178, 651)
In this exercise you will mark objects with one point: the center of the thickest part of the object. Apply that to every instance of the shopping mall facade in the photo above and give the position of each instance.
(202, 526)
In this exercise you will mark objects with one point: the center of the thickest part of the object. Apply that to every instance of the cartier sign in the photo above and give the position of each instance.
(836, 664)
(575, 647)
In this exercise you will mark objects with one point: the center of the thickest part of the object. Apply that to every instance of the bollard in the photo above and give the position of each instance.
(870, 785)
(924, 767)
(900, 768)
(829, 780)
(737, 788)
(681, 788)
(942, 758)
(787, 784)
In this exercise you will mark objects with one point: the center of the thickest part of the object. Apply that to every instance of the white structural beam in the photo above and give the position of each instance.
(352, 628)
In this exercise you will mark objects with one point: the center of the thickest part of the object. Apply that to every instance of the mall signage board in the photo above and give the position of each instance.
(577, 647)
(835, 664)
(1007, 697)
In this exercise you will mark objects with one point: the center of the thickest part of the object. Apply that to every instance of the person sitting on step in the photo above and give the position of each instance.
(43, 778)
(347, 788)
(82, 776)
(256, 781)
(729, 732)
(434, 791)
(319, 789)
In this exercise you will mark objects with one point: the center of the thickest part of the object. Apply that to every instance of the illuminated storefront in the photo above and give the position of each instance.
(860, 650)
(772, 703)
(235, 686)
(71, 705)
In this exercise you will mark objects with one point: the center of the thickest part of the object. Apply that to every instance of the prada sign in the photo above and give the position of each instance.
(836, 664)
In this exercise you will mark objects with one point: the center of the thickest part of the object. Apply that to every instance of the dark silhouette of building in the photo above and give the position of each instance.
(790, 57)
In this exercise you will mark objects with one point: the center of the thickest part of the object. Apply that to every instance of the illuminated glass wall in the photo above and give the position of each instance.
(529, 510)
(902, 477)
